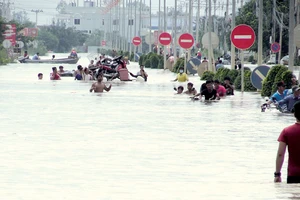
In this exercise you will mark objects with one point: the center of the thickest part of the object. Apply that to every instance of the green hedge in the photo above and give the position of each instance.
(233, 74)
(154, 60)
(179, 63)
(3, 57)
(278, 78)
(248, 87)
(221, 73)
(208, 75)
(147, 63)
(269, 80)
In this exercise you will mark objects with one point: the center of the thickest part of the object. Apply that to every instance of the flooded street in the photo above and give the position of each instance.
(138, 141)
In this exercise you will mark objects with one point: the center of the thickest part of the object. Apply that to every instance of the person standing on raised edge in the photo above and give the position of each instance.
(290, 137)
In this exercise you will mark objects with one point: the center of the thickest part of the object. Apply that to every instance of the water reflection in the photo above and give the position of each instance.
(139, 141)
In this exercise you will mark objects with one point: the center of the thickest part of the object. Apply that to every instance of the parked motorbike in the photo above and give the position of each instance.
(110, 68)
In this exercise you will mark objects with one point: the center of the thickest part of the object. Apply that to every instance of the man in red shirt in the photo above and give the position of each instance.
(290, 137)
(54, 75)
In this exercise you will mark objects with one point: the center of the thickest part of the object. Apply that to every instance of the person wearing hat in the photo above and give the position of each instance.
(289, 137)
(290, 100)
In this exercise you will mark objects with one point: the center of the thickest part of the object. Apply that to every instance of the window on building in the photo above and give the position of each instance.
(76, 21)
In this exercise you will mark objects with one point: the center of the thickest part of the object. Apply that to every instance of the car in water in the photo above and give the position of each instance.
(284, 60)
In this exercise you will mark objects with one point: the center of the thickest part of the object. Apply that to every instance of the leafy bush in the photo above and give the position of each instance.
(287, 78)
(232, 74)
(147, 63)
(269, 80)
(278, 78)
(179, 63)
(221, 73)
(141, 60)
(251, 58)
(208, 75)
(161, 62)
(154, 61)
(3, 57)
(247, 82)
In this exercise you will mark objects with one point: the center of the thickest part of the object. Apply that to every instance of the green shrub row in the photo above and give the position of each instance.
(4, 59)
(152, 60)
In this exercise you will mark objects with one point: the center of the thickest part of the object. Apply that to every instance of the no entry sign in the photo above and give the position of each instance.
(136, 41)
(242, 37)
(165, 38)
(186, 40)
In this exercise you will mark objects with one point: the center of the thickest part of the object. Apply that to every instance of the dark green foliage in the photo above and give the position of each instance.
(247, 82)
(161, 62)
(287, 78)
(251, 58)
(147, 63)
(221, 73)
(269, 80)
(208, 75)
(154, 61)
(179, 63)
(247, 15)
(141, 60)
(278, 78)
(233, 74)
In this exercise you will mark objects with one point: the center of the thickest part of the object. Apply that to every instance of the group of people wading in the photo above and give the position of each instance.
(211, 89)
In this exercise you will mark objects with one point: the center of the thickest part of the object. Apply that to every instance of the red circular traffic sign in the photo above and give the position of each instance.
(275, 47)
(186, 40)
(165, 38)
(136, 41)
(242, 37)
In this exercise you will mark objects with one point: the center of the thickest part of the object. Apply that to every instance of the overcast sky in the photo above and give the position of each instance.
(49, 7)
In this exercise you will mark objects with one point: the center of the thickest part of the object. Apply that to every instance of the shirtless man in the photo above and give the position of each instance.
(99, 86)
(190, 89)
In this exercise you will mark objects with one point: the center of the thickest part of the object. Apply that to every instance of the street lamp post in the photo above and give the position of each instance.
(36, 15)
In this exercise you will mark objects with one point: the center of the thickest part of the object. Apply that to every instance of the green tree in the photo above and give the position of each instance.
(95, 38)
(247, 15)
(51, 41)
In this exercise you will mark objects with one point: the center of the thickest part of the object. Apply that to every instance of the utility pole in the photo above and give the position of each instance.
(274, 22)
(232, 53)
(291, 35)
(190, 25)
(159, 24)
(260, 32)
(210, 50)
(140, 28)
(197, 21)
(175, 35)
(280, 37)
(123, 28)
(36, 15)
(150, 28)
(131, 24)
(165, 30)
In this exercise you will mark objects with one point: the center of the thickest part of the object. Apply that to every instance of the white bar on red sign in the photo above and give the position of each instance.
(186, 40)
(242, 37)
(164, 38)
